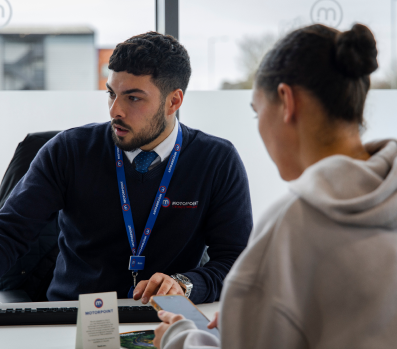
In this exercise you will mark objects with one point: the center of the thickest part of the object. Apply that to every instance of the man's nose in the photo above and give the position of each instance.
(116, 109)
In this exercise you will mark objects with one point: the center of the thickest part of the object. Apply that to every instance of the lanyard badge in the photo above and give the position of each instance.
(137, 261)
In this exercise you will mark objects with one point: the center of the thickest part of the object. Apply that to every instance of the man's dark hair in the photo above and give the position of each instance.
(160, 56)
(334, 66)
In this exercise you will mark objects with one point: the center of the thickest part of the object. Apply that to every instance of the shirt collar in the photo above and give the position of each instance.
(163, 150)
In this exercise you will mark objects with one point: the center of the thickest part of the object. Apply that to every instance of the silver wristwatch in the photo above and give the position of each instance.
(184, 282)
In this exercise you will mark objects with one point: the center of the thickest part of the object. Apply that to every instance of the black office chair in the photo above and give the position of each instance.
(29, 278)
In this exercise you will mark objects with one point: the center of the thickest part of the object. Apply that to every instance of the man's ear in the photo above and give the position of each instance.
(287, 98)
(174, 101)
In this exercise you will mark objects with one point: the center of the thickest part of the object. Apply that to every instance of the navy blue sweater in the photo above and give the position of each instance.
(75, 174)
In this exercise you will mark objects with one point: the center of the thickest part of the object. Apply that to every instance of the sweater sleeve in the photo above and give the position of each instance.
(185, 335)
(33, 203)
(239, 330)
(227, 226)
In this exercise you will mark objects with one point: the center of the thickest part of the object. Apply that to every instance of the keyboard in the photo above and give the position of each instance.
(65, 313)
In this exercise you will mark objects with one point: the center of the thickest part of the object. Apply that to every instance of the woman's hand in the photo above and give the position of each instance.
(168, 319)
(214, 322)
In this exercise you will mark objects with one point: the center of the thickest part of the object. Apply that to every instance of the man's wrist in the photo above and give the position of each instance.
(184, 282)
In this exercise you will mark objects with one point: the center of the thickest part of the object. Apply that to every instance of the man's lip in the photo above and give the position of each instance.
(120, 127)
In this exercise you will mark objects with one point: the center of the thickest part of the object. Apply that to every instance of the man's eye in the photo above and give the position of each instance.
(110, 93)
(134, 99)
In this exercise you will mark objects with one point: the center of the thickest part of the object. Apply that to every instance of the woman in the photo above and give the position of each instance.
(320, 270)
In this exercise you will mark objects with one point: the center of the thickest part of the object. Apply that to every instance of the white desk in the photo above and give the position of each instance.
(64, 336)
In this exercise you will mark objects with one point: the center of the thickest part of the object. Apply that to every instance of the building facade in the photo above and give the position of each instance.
(48, 58)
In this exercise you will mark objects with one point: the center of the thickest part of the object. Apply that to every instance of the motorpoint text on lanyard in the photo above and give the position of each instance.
(137, 262)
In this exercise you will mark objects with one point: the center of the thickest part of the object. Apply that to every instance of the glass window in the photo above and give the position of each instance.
(227, 39)
(65, 45)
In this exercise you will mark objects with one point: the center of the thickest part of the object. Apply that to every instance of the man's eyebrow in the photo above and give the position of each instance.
(133, 90)
(127, 92)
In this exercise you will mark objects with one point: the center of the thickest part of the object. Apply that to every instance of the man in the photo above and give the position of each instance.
(140, 197)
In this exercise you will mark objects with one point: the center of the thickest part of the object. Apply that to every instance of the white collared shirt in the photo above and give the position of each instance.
(163, 150)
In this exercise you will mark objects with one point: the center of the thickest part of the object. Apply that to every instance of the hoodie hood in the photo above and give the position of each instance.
(356, 192)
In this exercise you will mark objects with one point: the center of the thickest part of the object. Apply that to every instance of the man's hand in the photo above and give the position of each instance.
(168, 319)
(158, 284)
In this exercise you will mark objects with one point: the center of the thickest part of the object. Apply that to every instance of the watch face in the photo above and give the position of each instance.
(184, 278)
(185, 283)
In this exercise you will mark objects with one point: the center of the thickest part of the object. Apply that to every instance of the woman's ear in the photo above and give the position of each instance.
(287, 98)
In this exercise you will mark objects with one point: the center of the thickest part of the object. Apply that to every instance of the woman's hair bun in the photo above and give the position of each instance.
(356, 52)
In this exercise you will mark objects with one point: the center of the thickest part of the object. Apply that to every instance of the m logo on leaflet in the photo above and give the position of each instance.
(98, 303)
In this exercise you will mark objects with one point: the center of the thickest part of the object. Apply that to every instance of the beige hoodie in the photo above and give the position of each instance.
(320, 270)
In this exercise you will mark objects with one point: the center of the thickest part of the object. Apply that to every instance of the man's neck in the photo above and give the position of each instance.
(168, 129)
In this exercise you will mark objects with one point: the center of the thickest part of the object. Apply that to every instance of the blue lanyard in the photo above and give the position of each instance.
(125, 201)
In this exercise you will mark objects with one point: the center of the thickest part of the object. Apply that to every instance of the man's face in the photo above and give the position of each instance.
(136, 109)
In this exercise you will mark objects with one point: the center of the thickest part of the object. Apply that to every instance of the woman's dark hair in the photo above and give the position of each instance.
(160, 56)
(334, 66)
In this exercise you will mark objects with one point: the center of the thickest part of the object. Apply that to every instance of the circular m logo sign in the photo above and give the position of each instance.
(327, 12)
(5, 12)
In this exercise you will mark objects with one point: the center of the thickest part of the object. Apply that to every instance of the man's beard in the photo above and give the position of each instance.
(146, 136)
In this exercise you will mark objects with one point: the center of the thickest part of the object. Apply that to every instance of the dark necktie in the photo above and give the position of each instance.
(143, 160)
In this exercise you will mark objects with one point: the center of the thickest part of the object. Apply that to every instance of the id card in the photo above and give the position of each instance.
(136, 263)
